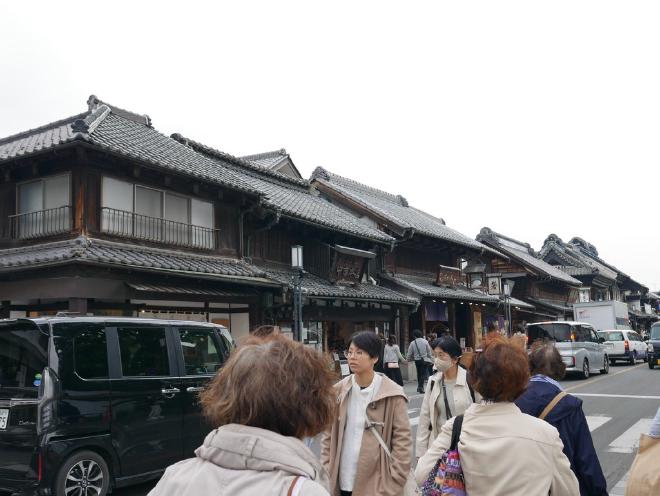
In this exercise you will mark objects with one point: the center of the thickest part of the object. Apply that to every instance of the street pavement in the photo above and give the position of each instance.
(619, 407)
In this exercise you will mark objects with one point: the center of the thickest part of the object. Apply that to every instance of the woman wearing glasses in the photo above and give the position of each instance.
(447, 393)
(372, 413)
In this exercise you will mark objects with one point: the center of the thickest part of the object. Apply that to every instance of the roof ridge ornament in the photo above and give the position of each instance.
(402, 200)
(93, 102)
(320, 173)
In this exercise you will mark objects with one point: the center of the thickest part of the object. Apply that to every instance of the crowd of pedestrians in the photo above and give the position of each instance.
(505, 426)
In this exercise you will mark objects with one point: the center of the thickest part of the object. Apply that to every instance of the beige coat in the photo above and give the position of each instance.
(505, 452)
(428, 416)
(376, 473)
(236, 460)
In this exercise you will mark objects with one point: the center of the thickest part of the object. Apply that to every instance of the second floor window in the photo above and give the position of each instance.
(43, 207)
(148, 213)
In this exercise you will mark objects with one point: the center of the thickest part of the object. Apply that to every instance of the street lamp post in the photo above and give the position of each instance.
(297, 263)
(507, 288)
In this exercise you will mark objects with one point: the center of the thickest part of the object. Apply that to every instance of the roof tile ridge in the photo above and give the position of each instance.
(275, 153)
(49, 245)
(488, 233)
(93, 102)
(164, 251)
(209, 150)
(30, 132)
(390, 196)
(91, 121)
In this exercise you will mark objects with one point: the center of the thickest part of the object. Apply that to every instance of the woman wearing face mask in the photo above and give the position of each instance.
(447, 393)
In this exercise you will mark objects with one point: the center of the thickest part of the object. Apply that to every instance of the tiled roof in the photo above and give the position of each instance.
(573, 257)
(87, 250)
(267, 160)
(125, 134)
(424, 286)
(520, 303)
(291, 197)
(313, 285)
(524, 254)
(551, 304)
(41, 138)
(394, 208)
(188, 290)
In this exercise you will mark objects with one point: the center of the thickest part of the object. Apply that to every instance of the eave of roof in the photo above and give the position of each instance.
(425, 287)
(393, 210)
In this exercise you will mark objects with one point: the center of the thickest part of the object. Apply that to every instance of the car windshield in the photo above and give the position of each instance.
(23, 357)
(655, 332)
(560, 333)
(611, 335)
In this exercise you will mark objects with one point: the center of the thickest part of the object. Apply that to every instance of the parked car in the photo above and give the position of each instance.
(653, 346)
(90, 403)
(624, 345)
(579, 345)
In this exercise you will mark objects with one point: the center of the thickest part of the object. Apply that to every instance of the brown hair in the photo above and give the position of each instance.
(544, 358)
(273, 383)
(265, 330)
(500, 372)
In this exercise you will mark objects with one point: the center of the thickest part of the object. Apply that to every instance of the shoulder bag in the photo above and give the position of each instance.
(446, 478)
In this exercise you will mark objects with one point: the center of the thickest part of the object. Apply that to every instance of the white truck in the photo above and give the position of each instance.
(603, 315)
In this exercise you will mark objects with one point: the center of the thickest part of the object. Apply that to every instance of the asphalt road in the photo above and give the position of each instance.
(618, 406)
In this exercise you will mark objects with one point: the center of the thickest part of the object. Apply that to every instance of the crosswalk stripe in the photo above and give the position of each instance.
(628, 442)
(627, 396)
(414, 421)
(595, 421)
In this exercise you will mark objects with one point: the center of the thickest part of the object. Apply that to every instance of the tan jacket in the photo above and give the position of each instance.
(505, 452)
(236, 460)
(428, 416)
(376, 473)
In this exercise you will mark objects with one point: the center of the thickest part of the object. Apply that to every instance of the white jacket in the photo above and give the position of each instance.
(428, 416)
(505, 452)
(236, 460)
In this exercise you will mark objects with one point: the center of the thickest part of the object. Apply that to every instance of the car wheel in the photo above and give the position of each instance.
(585, 369)
(606, 366)
(633, 358)
(651, 362)
(84, 473)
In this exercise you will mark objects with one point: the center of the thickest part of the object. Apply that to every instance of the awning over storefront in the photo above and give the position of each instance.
(317, 287)
(552, 305)
(426, 287)
(515, 302)
(189, 291)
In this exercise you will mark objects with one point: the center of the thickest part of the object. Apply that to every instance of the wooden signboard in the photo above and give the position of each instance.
(449, 276)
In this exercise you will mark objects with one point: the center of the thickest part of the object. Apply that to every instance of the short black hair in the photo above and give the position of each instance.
(367, 341)
(417, 333)
(449, 345)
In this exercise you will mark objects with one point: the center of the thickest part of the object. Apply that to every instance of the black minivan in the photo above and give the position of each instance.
(91, 403)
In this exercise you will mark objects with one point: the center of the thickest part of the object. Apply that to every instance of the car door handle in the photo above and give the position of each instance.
(171, 391)
(196, 389)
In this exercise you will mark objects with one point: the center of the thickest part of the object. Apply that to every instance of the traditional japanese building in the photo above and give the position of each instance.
(100, 213)
(425, 261)
(550, 291)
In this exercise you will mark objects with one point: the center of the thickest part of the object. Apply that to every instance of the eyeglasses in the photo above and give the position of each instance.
(356, 354)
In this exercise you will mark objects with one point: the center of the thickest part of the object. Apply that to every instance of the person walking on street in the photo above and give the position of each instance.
(503, 452)
(420, 351)
(392, 357)
(271, 393)
(372, 409)
(644, 478)
(546, 399)
(447, 393)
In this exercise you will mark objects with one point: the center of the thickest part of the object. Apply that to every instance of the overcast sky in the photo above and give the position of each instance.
(528, 117)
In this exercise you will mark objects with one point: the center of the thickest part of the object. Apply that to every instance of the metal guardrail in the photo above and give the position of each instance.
(41, 223)
(138, 226)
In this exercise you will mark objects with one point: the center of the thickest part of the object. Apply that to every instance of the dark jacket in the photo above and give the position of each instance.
(568, 418)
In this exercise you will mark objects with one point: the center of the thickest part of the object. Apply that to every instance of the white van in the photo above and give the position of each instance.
(624, 344)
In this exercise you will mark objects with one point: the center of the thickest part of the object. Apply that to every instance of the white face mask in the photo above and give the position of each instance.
(442, 365)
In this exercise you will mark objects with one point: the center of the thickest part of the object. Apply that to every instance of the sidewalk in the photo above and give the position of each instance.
(410, 388)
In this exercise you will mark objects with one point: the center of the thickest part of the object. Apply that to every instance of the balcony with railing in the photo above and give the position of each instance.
(41, 223)
(138, 226)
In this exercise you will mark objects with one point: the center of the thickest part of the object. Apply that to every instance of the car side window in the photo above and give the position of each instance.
(90, 354)
(201, 354)
(143, 351)
(594, 336)
(581, 334)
